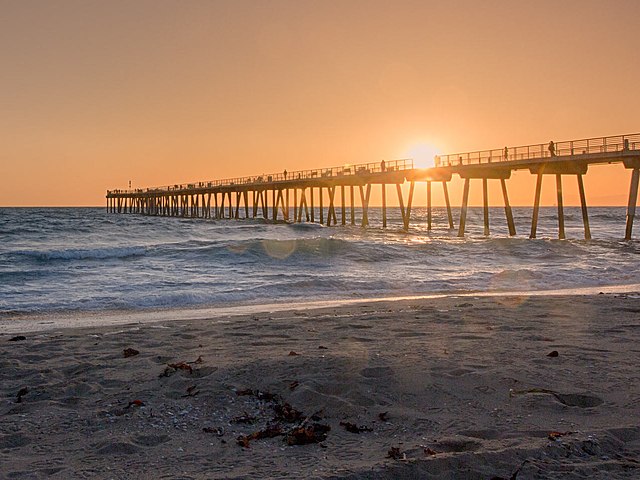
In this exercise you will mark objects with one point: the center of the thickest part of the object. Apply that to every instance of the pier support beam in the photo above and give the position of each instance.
(331, 213)
(286, 206)
(353, 205)
(561, 234)
(445, 189)
(428, 205)
(321, 207)
(633, 200)
(364, 198)
(583, 204)
(507, 208)
(406, 212)
(485, 205)
(536, 207)
(274, 207)
(463, 210)
(384, 205)
(344, 205)
(311, 204)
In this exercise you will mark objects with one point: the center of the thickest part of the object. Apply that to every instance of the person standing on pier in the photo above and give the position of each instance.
(285, 174)
(506, 153)
(552, 148)
(383, 166)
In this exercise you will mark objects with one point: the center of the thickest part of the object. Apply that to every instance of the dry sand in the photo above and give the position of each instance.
(467, 385)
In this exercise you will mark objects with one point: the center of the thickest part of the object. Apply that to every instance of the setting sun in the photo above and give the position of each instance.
(423, 154)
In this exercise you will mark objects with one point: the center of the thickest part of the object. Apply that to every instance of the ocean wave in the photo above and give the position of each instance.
(84, 253)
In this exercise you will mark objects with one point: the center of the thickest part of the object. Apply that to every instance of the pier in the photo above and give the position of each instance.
(293, 196)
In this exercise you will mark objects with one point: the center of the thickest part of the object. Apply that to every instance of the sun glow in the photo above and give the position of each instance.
(422, 154)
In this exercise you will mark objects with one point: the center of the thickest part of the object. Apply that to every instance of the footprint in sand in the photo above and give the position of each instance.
(14, 440)
(117, 448)
(150, 440)
(376, 372)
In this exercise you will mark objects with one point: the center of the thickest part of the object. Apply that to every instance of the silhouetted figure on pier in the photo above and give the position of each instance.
(285, 174)
(383, 166)
(552, 148)
(506, 153)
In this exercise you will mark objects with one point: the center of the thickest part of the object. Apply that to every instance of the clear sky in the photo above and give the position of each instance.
(96, 93)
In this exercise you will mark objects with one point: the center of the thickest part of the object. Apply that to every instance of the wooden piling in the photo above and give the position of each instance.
(274, 208)
(429, 205)
(331, 213)
(507, 208)
(561, 234)
(406, 212)
(485, 206)
(343, 204)
(364, 199)
(633, 200)
(536, 207)
(463, 210)
(288, 208)
(583, 204)
(445, 189)
(384, 205)
(353, 206)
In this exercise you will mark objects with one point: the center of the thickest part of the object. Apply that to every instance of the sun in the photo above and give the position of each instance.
(423, 154)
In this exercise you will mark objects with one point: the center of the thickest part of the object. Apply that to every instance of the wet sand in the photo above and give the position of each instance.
(459, 387)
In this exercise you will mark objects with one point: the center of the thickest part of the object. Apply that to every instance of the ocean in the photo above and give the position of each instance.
(72, 260)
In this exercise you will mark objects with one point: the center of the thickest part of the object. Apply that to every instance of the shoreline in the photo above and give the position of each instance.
(456, 384)
(66, 320)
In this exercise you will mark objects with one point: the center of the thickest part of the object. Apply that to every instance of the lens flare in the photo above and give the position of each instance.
(279, 249)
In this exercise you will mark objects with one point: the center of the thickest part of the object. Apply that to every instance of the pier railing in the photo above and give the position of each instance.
(316, 174)
(616, 143)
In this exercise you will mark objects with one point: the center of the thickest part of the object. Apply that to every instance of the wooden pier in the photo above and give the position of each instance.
(270, 196)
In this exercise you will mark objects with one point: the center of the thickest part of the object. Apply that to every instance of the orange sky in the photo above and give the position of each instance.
(94, 94)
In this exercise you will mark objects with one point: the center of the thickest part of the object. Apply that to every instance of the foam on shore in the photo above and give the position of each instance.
(56, 321)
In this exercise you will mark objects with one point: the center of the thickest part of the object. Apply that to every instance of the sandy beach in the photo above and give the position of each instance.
(458, 387)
